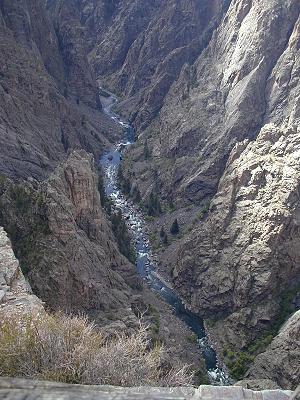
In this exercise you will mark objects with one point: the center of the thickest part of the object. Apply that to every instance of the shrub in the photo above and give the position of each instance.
(72, 350)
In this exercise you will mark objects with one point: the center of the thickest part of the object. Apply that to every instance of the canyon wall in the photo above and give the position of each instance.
(228, 135)
(48, 98)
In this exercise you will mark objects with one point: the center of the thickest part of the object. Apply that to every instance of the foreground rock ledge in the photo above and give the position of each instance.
(21, 389)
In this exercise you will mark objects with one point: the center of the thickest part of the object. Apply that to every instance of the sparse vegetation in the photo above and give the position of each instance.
(72, 350)
(123, 237)
(238, 364)
(146, 151)
(163, 236)
(153, 205)
(24, 217)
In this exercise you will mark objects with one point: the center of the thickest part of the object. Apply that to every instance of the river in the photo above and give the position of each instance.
(146, 262)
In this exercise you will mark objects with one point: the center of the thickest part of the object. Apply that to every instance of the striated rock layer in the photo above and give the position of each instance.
(247, 76)
(138, 48)
(48, 98)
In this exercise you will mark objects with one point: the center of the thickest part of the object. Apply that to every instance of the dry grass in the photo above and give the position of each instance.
(72, 350)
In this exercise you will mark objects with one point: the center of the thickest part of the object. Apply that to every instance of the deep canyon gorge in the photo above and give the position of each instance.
(150, 168)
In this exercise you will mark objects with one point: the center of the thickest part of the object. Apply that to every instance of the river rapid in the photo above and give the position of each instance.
(146, 261)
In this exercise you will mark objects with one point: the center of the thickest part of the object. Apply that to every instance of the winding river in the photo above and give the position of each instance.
(146, 262)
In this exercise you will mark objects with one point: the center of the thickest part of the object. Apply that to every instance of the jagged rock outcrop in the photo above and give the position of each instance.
(280, 362)
(64, 242)
(40, 86)
(15, 293)
(85, 269)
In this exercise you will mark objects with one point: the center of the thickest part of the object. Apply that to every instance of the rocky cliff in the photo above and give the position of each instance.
(281, 355)
(139, 48)
(246, 76)
(228, 133)
(46, 92)
(15, 293)
(65, 243)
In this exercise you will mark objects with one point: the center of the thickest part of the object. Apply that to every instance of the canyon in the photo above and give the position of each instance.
(211, 89)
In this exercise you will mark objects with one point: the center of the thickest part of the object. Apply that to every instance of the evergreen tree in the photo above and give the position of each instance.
(146, 150)
(175, 227)
(153, 206)
(165, 240)
(162, 233)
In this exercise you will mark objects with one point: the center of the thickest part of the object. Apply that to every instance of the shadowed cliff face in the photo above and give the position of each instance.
(44, 92)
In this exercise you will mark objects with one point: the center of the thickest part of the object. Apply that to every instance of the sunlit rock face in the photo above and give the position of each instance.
(244, 256)
(247, 76)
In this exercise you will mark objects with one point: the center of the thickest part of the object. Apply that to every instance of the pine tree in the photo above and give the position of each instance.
(165, 240)
(162, 233)
(175, 227)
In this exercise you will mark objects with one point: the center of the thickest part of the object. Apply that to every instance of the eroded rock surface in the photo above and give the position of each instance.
(139, 47)
(15, 293)
(40, 86)
(246, 76)
(280, 362)
(86, 269)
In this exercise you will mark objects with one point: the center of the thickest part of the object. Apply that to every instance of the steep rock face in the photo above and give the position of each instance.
(280, 361)
(244, 260)
(244, 256)
(86, 270)
(248, 75)
(141, 47)
(15, 292)
(80, 83)
(38, 125)
(65, 244)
